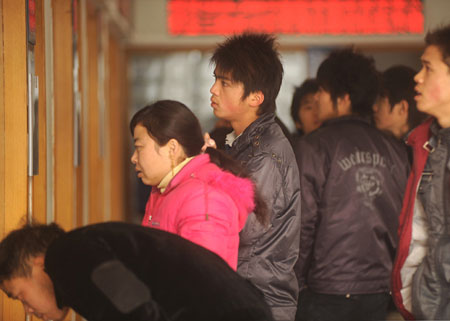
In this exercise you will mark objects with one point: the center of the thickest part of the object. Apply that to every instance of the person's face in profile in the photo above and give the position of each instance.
(35, 292)
(327, 109)
(152, 162)
(226, 97)
(433, 84)
(308, 114)
(390, 118)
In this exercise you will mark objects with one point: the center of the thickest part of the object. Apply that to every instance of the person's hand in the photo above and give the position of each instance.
(209, 142)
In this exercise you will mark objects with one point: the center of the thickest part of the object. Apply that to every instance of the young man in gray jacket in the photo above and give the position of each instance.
(248, 75)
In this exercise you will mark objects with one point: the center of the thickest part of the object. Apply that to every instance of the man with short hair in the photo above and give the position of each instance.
(304, 108)
(118, 272)
(395, 110)
(352, 178)
(420, 279)
(248, 75)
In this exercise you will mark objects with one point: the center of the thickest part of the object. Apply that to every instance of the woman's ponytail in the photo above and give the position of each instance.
(227, 163)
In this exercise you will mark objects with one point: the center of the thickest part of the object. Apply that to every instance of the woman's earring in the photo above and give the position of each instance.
(173, 166)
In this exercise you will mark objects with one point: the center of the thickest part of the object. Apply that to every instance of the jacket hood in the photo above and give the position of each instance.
(241, 190)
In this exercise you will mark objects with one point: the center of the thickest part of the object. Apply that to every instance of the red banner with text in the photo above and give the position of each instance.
(309, 17)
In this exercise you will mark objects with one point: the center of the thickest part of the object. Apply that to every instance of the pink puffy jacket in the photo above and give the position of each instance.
(205, 205)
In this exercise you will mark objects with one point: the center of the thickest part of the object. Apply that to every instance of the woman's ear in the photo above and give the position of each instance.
(176, 151)
(172, 146)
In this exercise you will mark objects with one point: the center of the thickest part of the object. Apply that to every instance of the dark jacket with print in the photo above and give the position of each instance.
(267, 255)
(353, 178)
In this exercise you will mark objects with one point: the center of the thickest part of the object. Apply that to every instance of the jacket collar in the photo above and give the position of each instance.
(254, 129)
(438, 131)
(188, 169)
(168, 178)
(420, 135)
(436, 135)
(345, 118)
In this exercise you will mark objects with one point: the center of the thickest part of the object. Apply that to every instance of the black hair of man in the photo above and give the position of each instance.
(253, 60)
(346, 71)
(309, 86)
(441, 39)
(24, 244)
(397, 85)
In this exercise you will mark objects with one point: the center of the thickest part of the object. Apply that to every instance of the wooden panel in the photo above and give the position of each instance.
(118, 133)
(2, 144)
(64, 172)
(63, 98)
(79, 169)
(15, 112)
(13, 130)
(95, 162)
(2, 130)
(40, 181)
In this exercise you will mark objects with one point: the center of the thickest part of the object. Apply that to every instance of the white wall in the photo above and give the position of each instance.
(437, 13)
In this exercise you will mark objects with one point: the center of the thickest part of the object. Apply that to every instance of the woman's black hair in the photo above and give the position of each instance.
(169, 119)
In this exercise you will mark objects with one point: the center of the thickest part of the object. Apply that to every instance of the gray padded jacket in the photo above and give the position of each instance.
(421, 275)
(267, 255)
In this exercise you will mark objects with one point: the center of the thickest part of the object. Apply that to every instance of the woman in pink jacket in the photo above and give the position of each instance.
(205, 198)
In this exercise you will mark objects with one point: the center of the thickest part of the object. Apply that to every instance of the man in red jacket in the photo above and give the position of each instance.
(420, 280)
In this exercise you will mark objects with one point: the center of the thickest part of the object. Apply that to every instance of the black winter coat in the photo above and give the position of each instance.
(119, 272)
(267, 255)
(353, 178)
